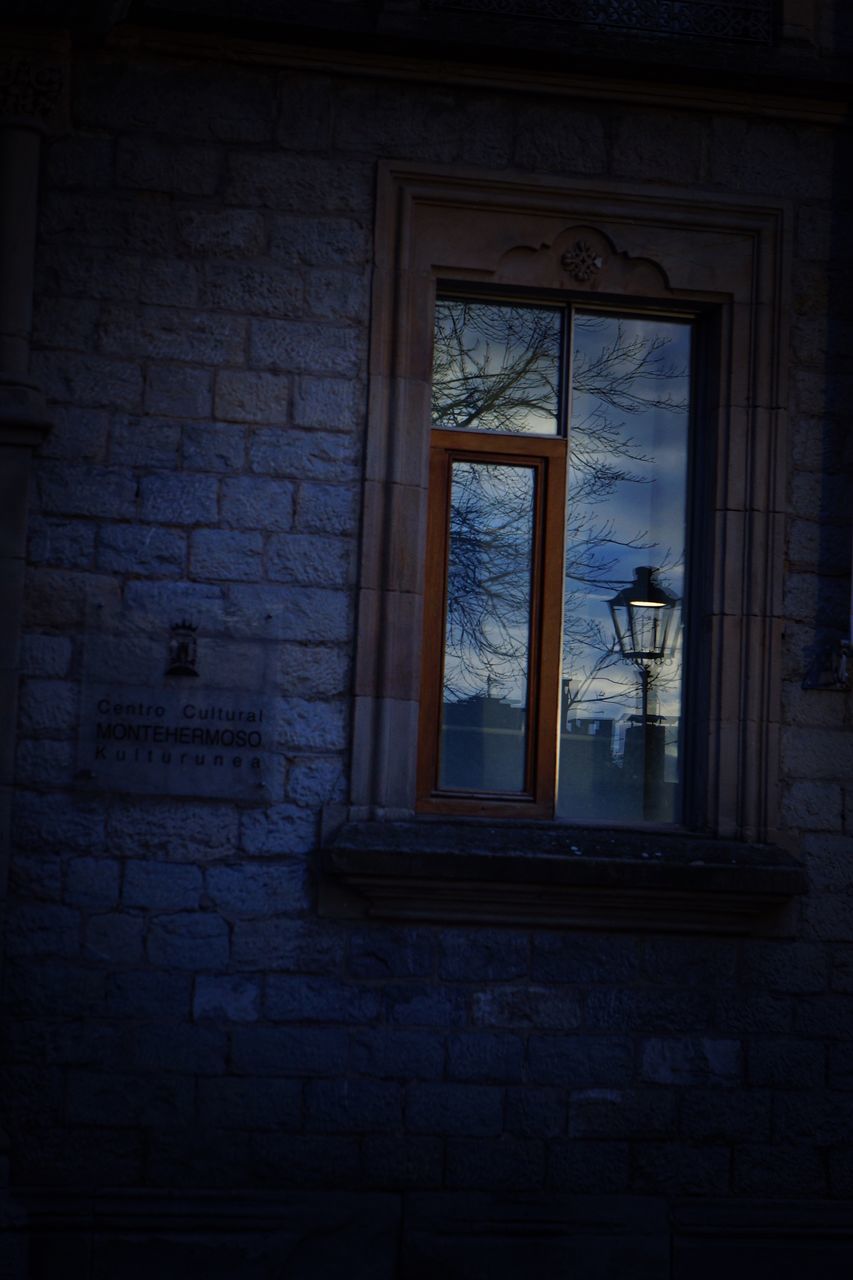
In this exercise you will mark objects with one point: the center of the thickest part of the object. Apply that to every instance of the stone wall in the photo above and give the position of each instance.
(180, 1018)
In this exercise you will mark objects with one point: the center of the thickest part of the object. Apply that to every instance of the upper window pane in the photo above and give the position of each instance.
(496, 367)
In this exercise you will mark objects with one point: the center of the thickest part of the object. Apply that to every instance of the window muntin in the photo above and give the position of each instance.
(501, 368)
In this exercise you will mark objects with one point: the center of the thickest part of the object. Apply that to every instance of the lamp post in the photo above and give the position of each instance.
(643, 615)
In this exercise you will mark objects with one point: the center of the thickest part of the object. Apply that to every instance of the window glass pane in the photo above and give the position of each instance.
(487, 627)
(496, 367)
(620, 721)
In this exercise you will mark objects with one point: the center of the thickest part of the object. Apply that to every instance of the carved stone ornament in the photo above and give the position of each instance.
(32, 89)
(582, 262)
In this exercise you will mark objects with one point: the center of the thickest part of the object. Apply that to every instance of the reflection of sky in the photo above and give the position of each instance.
(496, 367)
(633, 374)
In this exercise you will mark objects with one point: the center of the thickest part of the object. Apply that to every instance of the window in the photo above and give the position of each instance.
(580, 259)
(555, 566)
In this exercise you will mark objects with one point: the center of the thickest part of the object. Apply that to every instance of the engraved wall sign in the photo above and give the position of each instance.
(200, 723)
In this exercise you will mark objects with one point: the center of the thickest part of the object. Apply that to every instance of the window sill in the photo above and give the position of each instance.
(550, 876)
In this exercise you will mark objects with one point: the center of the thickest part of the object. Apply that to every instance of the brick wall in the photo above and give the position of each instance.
(180, 1017)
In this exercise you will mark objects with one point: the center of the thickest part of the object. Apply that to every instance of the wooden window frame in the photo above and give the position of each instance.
(547, 456)
(725, 258)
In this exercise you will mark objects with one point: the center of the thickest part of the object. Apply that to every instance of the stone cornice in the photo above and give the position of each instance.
(831, 110)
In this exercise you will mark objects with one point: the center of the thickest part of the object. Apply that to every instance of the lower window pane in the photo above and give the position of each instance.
(621, 713)
(483, 743)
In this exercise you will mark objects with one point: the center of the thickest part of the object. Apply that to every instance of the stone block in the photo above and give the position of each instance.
(36, 877)
(841, 1066)
(42, 929)
(252, 290)
(327, 508)
(692, 1061)
(281, 942)
(383, 952)
(305, 103)
(486, 1056)
(159, 165)
(88, 491)
(143, 442)
(252, 397)
(82, 272)
(305, 455)
(813, 806)
(79, 160)
(169, 333)
(57, 822)
(161, 886)
(630, 1114)
(333, 404)
(115, 939)
(311, 726)
(141, 550)
(458, 1109)
(128, 1100)
(751, 1013)
(671, 1168)
(178, 499)
(294, 999)
(44, 762)
(575, 1061)
(509, 1164)
(645, 1010)
(401, 1162)
(397, 1054)
(221, 233)
(107, 221)
(388, 119)
(787, 967)
(143, 994)
(422, 1005)
(169, 282)
(299, 183)
(301, 347)
(484, 955)
(53, 988)
(536, 1113)
(527, 1007)
(280, 829)
(254, 502)
(316, 671)
(226, 998)
(826, 1016)
(210, 447)
(308, 560)
(175, 831)
(255, 889)
(695, 962)
(312, 615)
(764, 1169)
(69, 543)
(47, 707)
(92, 882)
(180, 100)
(316, 780)
(786, 1064)
(337, 295)
(181, 392)
(298, 1051)
(66, 323)
(321, 242)
(168, 1047)
(250, 1104)
(771, 158)
(591, 1168)
(307, 1160)
(560, 957)
(43, 655)
(353, 1106)
(188, 940)
(659, 146)
(226, 555)
(189, 1155)
(726, 1115)
(560, 141)
(88, 381)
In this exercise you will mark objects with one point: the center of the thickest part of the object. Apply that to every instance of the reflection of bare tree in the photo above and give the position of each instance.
(498, 368)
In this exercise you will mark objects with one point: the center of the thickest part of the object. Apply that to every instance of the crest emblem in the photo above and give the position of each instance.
(183, 650)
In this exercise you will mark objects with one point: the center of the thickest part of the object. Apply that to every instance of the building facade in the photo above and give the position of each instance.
(350, 929)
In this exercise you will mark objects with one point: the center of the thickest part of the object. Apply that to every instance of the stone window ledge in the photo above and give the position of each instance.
(549, 875)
